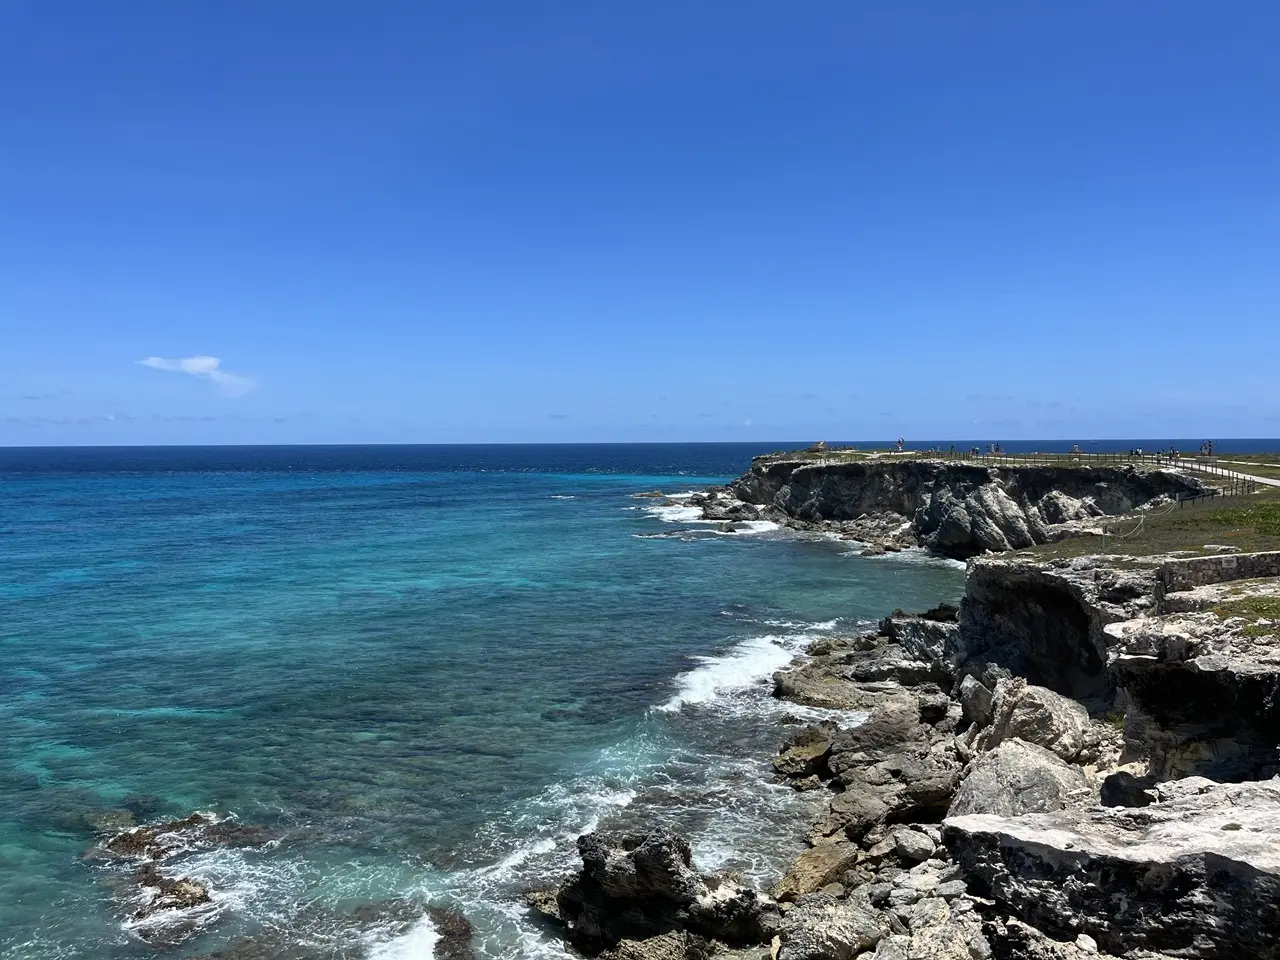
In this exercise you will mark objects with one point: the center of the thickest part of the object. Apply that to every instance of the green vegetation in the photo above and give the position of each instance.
(1115, 719)
(1262, 517)
(1257, 607)
(1249, 523)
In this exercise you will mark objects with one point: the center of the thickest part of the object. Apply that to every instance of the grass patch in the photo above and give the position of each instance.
(1249, 523)
(1261, 607)
(1262, 518)
(1114, 719)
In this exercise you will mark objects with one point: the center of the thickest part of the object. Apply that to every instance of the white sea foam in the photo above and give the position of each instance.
(563, 496)
(418, 943)
(749, 526)
(740, 668)
(821, 626)
(917, 555)
(676, 513)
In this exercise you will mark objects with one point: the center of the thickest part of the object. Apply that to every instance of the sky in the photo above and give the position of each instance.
(413, 222)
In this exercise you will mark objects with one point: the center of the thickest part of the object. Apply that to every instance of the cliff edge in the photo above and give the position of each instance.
(956, 509)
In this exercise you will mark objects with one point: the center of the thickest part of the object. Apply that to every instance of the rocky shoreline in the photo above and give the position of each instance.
(1078, 762)
(955, 509)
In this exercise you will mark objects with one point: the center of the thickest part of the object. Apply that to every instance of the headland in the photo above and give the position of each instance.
(1077, 762)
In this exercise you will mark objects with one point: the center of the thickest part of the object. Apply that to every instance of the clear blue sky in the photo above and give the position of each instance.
(416, 222)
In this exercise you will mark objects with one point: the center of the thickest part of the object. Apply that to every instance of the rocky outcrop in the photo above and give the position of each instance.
(1196, 874)
(1017, 778)
(635, 887)
(453, 932)
(1044, 621)
(897, 767)
(824, 928)
(163, 906)
(1038, 716)
(1203, 694)
(678, 945)
(957, 509)
(817, 868)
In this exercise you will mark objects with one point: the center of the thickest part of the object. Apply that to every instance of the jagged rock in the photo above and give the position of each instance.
(639, 886)
(1196, 874)
(936, 930)
(904, 787)
(891, 728)
(158, 841)
(1012, 939)
(171, 893)
(454, 932)
(805, 753)
(1017, 778)
(815, 868)
(925, 638)
(822, 928)
(956, 509)
(678, 945)
(1203, 694)
(977, 701)
(1037, 715)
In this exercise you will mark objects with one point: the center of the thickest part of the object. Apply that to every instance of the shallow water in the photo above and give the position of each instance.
(429, 668)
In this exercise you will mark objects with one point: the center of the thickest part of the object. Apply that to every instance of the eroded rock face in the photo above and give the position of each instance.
(957, 509)
(639, 886)
(1204, 694)
(1196, 874)
(1043, 621)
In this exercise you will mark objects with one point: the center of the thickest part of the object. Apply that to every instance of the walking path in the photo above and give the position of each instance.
(1229, 474)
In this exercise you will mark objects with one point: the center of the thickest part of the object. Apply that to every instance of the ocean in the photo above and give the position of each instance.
(426, 670)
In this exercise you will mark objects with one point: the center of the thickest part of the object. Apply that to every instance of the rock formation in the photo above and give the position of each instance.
(957, 509)
(163, 906)
(1019, 787)
(1196, 874)
(636, 887)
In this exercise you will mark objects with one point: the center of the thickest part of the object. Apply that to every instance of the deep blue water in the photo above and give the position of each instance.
(430, 668)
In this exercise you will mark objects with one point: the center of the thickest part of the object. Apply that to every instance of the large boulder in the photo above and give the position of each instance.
(822, 928)
(805, 752)
(1017, 778)
(678, 945)
(815, 868)
(1037, 715)
(1196, 874)
(976, 701)
(891, 729)
(639, 886)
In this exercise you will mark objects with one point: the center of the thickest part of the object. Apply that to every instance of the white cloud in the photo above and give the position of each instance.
(231, 384)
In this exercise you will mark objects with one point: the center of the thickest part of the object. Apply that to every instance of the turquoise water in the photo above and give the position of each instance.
(428, 669)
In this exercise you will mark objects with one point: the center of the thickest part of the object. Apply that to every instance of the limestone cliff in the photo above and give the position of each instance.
(957, 509)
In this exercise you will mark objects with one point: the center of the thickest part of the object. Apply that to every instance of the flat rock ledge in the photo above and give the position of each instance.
(1196, 874)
